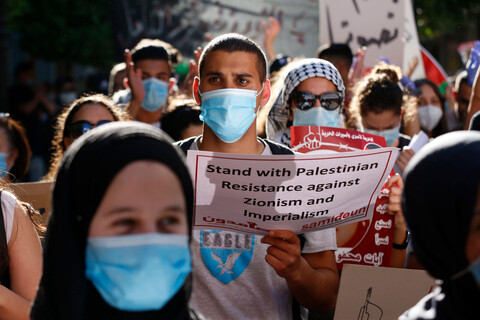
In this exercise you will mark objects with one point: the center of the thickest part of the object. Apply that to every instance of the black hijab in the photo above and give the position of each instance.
(441, 188)
(87, 169)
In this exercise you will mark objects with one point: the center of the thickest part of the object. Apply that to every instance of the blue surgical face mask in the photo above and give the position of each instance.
(156, 93)
(229, 112)
(390, 135)
(316, 116)
(474, 269)
(3, 165)
(138, 272)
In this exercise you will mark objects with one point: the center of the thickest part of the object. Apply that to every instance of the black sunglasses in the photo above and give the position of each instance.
(305, 100)
(78, 128)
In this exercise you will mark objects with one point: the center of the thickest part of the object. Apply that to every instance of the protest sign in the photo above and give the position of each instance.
(38, 194)
(411, 49)
(368, 293)
(376, 24)
(365, 242)
(302, 193)
(188, 24)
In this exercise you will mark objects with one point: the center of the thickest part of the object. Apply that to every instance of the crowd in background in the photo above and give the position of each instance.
(126, 151)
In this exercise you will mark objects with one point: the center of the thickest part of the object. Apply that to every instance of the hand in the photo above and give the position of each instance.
(395, 184)
(284, 253)
(473, 63)
(412, 66)
(449, 95)
(272, 29)
(313, 140)
(271, 32)
(192, 71)
(359, 65)
(405, 81)
(134, 79)
(405, 156)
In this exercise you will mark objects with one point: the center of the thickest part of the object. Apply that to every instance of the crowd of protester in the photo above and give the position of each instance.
(120, 244)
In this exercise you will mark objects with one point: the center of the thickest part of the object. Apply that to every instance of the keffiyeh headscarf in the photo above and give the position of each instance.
(300, 71)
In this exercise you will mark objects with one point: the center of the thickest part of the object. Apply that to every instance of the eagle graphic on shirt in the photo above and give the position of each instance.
(226, 254)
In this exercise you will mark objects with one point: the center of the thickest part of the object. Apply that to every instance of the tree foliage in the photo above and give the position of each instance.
(445, 17)
(79, 31)
(74, 31)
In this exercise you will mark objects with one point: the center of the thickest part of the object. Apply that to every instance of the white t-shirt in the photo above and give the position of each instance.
(232, 280)
(8, 208)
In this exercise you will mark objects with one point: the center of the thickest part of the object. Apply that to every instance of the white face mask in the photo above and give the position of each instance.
(429, 116)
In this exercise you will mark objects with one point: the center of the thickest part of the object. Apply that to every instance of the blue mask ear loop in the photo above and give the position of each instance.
(466, 270)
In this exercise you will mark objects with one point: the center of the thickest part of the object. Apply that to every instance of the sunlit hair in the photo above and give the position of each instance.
(64, 121)
(380, 91)
(17, 140)
(119, 67)
(156, 49)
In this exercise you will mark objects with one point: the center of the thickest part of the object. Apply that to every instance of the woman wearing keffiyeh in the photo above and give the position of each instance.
(312, 94)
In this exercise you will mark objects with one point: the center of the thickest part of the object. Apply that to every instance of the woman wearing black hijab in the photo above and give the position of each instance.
(441, 202)
(117, 243)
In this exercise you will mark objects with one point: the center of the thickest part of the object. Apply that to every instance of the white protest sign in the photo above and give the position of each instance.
(411, 50)
(302, 193)
(376, 24)
(299, 20)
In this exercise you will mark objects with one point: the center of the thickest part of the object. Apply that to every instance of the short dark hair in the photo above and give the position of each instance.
(336, 51)
(233, 42)
(151, 49)
(180, 118)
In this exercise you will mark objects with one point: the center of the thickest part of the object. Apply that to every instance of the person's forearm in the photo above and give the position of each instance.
(315, 289)
(12, 306)
(474, 105)
(399, 256)
(132, 107)
(270, 49)
(49, 106)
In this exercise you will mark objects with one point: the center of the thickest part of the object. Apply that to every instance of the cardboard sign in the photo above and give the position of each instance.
(366, 242)
(411, 48)
(302, 193)
(38, 194)
(299, 20)
(369, 293)
(376, 24)
(188, 24)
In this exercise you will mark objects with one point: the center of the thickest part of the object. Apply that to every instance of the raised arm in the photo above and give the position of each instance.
(399, 250)
(135, 84)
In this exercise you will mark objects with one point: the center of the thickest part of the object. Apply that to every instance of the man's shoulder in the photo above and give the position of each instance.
(185, 144)
(277, 148)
